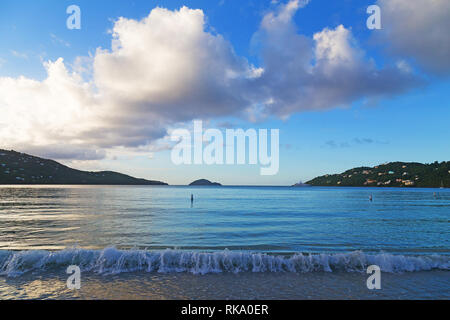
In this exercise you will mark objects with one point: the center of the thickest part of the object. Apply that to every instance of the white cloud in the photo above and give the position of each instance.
(19, 54)
(167, 69)
(161, 70)
(334, 48)
(404, 66)
(418, 29)
(168, 65)
(322, 72)
(56, 40)
(46, 112)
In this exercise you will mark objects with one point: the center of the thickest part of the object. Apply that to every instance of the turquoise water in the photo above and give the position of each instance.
(263, 219)
(136, 231)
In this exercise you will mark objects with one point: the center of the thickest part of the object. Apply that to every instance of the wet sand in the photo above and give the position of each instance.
(243, 286)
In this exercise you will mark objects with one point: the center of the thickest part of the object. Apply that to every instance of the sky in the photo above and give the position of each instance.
(108, 96)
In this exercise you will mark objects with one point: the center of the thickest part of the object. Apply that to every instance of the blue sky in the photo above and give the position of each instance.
(406, 120)
(26, 26)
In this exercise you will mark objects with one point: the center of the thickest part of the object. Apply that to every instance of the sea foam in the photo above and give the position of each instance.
(114, 261)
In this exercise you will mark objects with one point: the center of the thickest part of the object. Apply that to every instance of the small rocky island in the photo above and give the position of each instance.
(204, 182)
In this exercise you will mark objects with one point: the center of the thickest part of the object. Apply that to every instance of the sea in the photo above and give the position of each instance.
(231, 242)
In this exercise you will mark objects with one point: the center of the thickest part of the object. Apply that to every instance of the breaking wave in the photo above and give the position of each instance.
(114, 261)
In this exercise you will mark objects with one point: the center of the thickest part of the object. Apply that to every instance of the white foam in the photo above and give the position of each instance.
(114, 261)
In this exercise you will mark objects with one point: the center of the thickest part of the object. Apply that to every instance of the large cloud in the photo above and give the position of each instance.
(326, 71)
(168, 65)
(161, 70)
(167, 69)
(49, 112)
(418, 29)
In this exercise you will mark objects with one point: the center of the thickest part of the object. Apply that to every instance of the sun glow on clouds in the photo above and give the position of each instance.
(166, 69)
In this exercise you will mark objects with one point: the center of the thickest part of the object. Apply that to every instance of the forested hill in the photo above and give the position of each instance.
(394, 174)
(21, 168)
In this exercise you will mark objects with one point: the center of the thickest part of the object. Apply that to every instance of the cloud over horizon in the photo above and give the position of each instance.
(168, 69)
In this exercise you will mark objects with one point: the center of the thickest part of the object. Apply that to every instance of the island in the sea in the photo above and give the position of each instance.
(204, 182)
(21, 168)
(300, 184)
(393, 174)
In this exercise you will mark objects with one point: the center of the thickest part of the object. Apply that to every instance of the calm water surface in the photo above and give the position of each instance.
(269, 219)
(232, 242)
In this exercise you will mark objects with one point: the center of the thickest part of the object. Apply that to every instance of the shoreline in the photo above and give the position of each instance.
(243, 286)
(222, 186)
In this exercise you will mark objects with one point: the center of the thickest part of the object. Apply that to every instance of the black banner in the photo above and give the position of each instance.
(179, 310)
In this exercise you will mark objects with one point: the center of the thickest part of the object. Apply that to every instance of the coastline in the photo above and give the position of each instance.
(216, 186)
(315, 243)
(244, 286)
(112, 274)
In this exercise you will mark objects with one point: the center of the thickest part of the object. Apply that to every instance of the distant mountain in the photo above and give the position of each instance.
(21, 168)
(300, 184)
(394, 174)
(204, 182)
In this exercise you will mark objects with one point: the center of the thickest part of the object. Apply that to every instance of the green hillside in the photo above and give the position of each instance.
(394, 174)
(21, 168)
